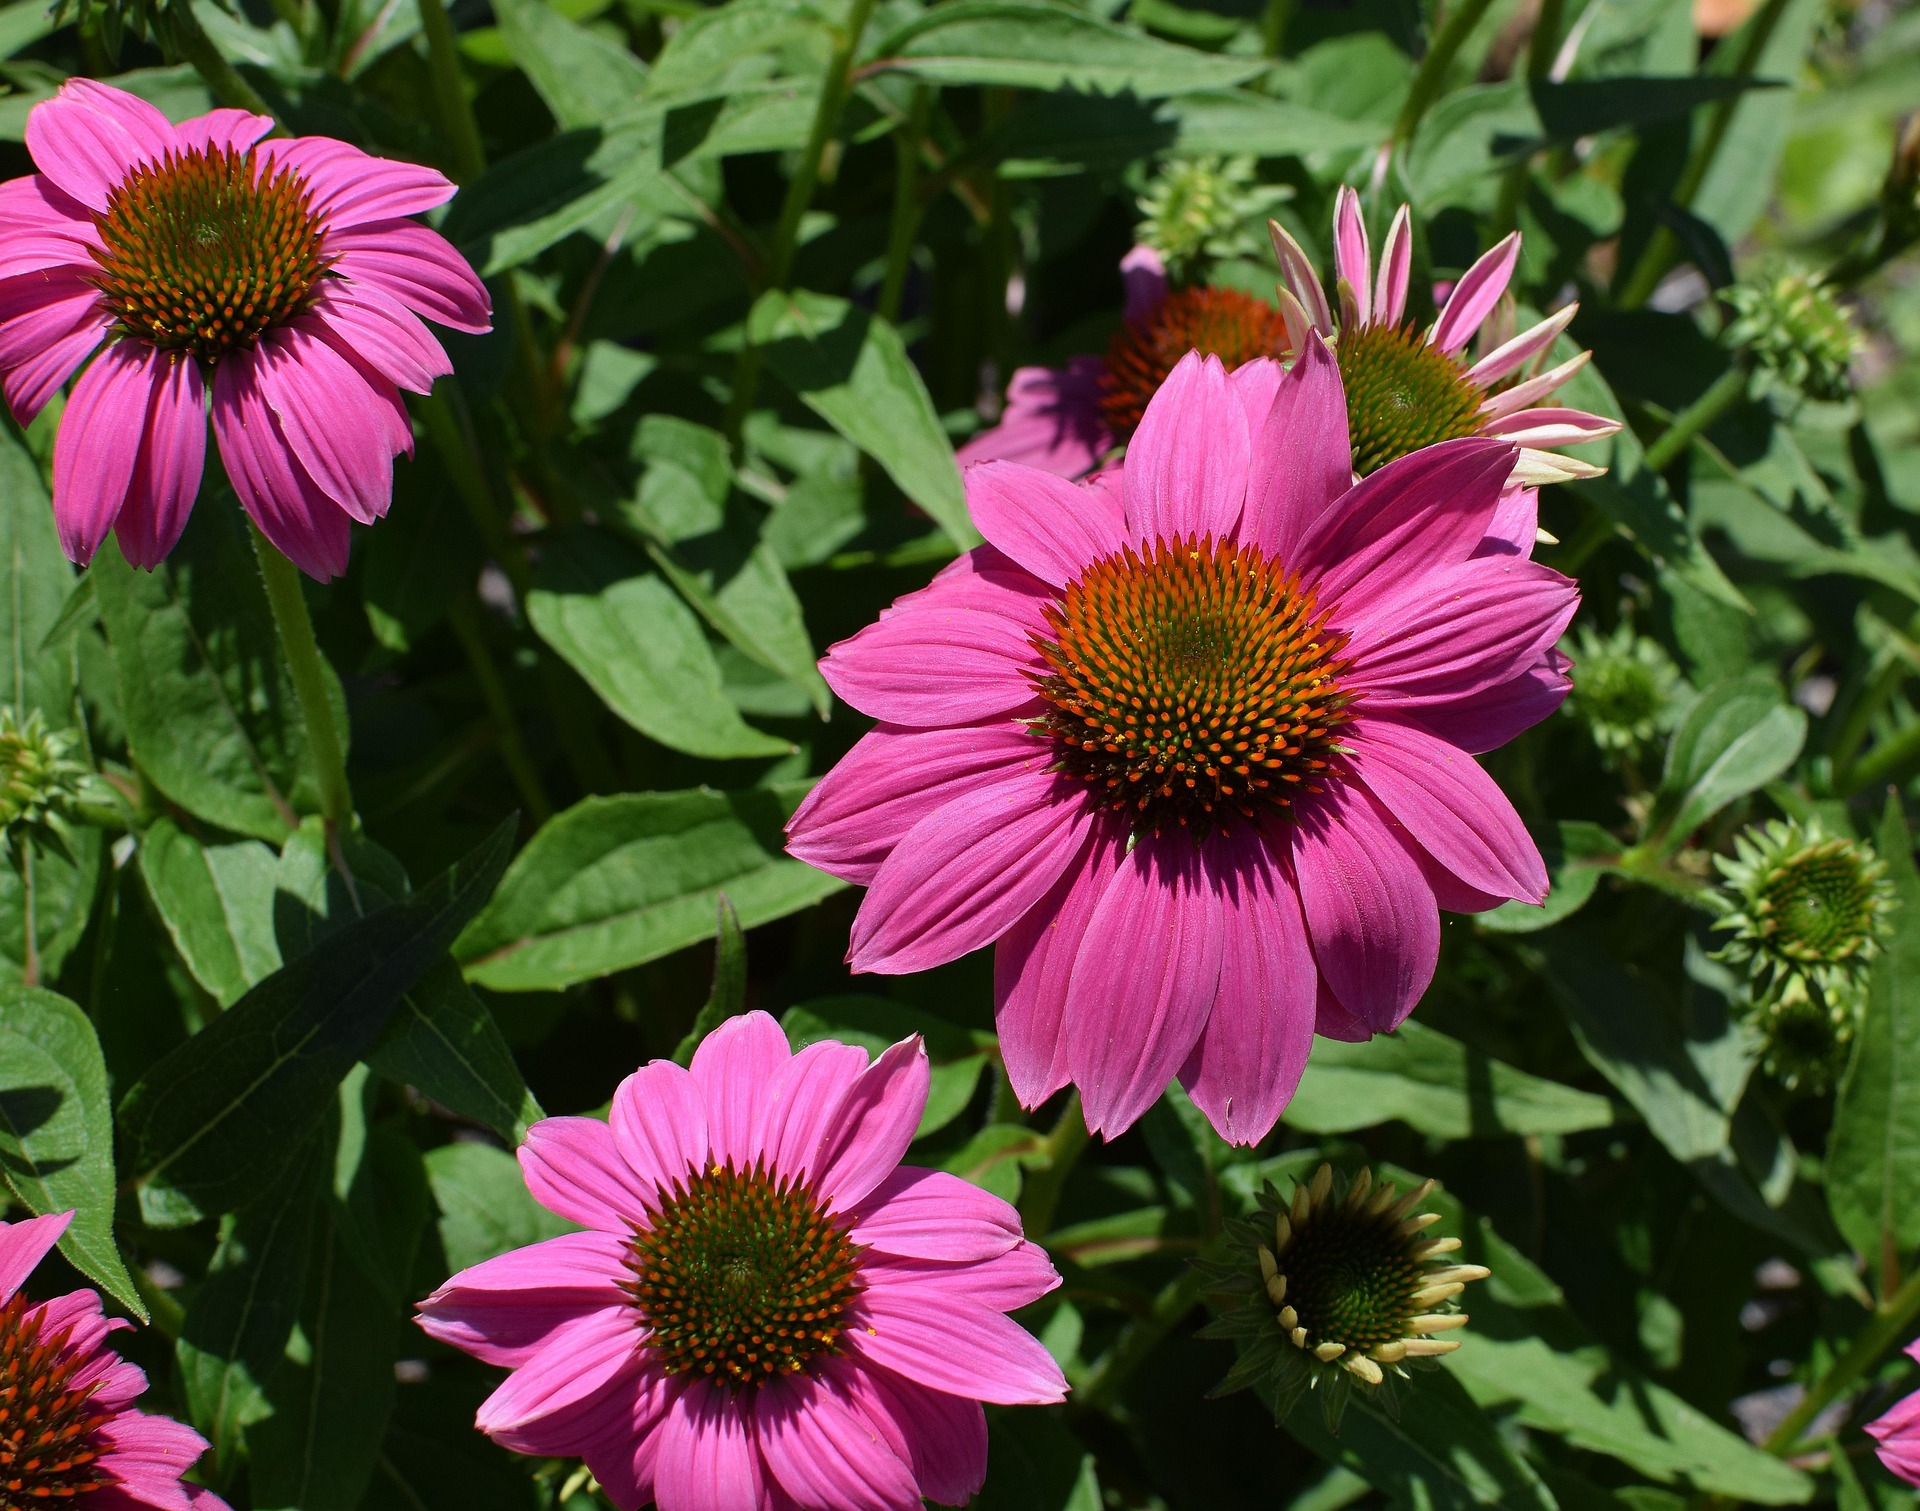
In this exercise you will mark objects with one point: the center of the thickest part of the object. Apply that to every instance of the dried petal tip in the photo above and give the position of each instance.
(1363, 1292)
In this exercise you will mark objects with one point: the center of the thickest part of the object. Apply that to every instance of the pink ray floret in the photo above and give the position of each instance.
(1193, 747)
(1897, 1434)
(76, 1394)
(281, 285)
(621, 1355)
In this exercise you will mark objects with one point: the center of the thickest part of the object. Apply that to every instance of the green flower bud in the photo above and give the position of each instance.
(1199, 209)
(1796, 331)
(39, 780)
(1626, 690)
(1344, 1288)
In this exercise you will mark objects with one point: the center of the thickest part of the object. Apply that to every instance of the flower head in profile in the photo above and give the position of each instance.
(1897, 1434)
(1342, 1289)
(279, 285)
(1193, 746)
(766, 1310)
(68, 1432)
(1065, 420)
(1407, 387)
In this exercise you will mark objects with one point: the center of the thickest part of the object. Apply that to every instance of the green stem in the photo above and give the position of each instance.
(1432, 77)
(1883, 1328)
(461, 457)
(906, 201)
(1139, 1338)
(1663, 246)
(1891, 761)
(834, 88)
(1727, 390)
(1273, 26)
(1546, 38)
(464, 617)
(221, 77)
(450, 92)
(1041, 1195)
(308, 670)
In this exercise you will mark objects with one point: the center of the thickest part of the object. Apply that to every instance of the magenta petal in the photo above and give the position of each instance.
(1475, 295)
(1351, 256)
(23, 1245)
(1375, 928)
(1420, 512)
(708, 1460)
(88, 135)
(45, 255)
(891, 779)
(825, 1451)
(928, 1214)
(227, 129)
(99, 442)
(951, 1344)
(351, 188)
(1250, 1056)
(418, 267)
(1033, 965)
(801, 1121)
(1145, 978)
(733, 1067)
(573, 1168)
(932, 666)
(173, 453)
(1052, 421)
(1255, 383)
(578, 1359)
(1005, 1283)
(1485, 720)
(1515, 526)
(620, 1440)
(378, 328)
(1332, 1021)
(1396, 262)
(874, 1123)
(1186, 471)
(1449, 805)
(659, 1126)
(503, 1310)
(1050, 527)
(1302, 462)
(305, 525)
(946, 1436)
(965, 873)
(49, 325)
(334, 420)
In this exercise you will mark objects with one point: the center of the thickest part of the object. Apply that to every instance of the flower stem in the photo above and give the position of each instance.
(309, 675)
(1727, 390)
(1890, 1318)
(1139, 1338)
(191, 41)
(464, 617)
(1427, 83)
(1546, 38)
(1663, 246)
(450, 92)
(906, 202)
(1062, 1149)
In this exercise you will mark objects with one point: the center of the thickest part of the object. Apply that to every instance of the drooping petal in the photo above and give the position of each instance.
(708, 1460)
(1550, 427)
(954, 1345)
(1514, 354)
(620, 1439)
(732, 1068)
(891, 779)
(875, 1122)
(46, 254)
(966, 872)
(1396, 263)
(928, 1214)
(49, 324)
(659, 1126)
(1186, 470)
(1302, 461)
(505, 1309)
(573, 1168)
(23, 1245)
(99, 442)
(87, 137)
(1046, 524)
(1254, 1047)
(1532, 390)
(418, 267)
(339, 425)
(1351, 255)
(1371, 914)
(824, 1449)
(305, 525)
(36, 380)
(173, 453)
(1475, 295)
(1033, 966)
(1450, 806)
(35, 205)
(1145, 979)
(1051, 421)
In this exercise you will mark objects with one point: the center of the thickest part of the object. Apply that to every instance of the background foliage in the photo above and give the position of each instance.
(756, 266)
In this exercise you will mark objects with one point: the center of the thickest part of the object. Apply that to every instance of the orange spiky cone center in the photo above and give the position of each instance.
(1225, 323)
(50, 1430)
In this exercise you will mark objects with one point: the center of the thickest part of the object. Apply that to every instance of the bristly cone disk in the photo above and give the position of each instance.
(1402, 394)
(50, 1443)
(1344, 1291)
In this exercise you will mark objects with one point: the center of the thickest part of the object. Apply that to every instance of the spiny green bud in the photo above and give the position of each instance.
(1344, 1290)
(1796, 331)
(39, 779)
(1202, 208)
(1807, 911)
(1626, 690)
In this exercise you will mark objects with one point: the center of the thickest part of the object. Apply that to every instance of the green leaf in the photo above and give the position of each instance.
(617, 881)
(35, 581)
(209, 707)
(56, 1130)
(433, 1460)
(63, 891)
(1033, 45)
(1577, 854)
(728, 999)
(1737, 737)
(485, 1210)
(1035, 1464)
(583, 79)
(1740, 180)
(1239, 122)
(216, 902)
(442, 1041)
(995, 1157)
(1437, 1086)
(1586, 107)
(617, 624)
(958, 1055)
(213, 1122)
(852, 369)
(1873, 1155)
(240, 1317)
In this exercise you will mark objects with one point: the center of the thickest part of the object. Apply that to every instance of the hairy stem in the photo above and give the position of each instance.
(222, 79)
(1889, 1320)
(1041, 1195)
(1726, 391)
(1427, 83)
(308, 670)
(450, 93)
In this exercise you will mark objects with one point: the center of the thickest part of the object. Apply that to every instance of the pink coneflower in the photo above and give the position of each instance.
(1196, 748)
(767, 1310)
(68, 1431)
(1065, 419)
(1897, 1434)
(283, 278)
(1407, 387)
